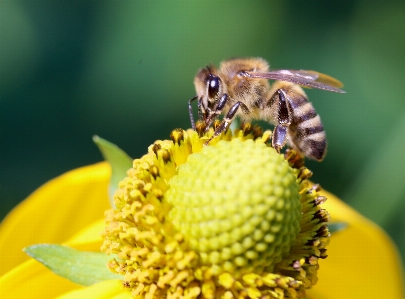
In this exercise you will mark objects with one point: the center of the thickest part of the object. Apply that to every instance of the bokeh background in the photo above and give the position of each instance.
(124, 70)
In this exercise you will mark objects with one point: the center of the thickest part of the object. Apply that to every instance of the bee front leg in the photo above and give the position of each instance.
(217, 111)
(229, 117)
(190, 111)
(279, 138)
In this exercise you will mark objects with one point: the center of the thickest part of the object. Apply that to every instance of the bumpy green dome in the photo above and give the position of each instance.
(242, 212)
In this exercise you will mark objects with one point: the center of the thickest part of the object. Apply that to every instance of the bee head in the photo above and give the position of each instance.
(209, 86)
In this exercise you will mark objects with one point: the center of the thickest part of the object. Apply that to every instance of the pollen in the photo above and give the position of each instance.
(234, 219)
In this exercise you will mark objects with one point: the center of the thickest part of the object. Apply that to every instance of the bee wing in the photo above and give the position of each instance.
(302, 77)
(323, 78)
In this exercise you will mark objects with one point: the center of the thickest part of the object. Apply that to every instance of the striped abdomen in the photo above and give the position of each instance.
(306, 131)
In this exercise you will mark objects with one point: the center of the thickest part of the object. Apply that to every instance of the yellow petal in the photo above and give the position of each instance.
(54, 212)
(89, 238)
(362, 261)
(33, 280)
(109, 289)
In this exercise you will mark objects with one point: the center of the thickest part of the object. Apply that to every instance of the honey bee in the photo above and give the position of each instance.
(240, 87)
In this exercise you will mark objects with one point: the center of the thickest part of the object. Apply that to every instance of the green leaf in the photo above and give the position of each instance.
(337, 226)
(120, 162)
(82, 267)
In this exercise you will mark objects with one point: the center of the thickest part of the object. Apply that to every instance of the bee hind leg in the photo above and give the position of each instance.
(279, 138)
(229, 117)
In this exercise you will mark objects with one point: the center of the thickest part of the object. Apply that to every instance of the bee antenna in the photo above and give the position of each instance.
(190, 111)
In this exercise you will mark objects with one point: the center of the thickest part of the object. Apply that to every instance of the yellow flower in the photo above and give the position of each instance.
(362, 261)
(233, 219)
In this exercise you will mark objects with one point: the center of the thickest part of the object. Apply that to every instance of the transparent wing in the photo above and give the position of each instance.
(301, 77)
(323, 78)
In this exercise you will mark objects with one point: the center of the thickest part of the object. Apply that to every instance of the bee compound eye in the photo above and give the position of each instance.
(213, 86)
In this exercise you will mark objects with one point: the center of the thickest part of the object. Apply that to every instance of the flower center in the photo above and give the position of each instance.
(238, 206)
(234, 219)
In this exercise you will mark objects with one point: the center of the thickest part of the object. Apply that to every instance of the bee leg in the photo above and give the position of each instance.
(279, 138)
(190, 111)
(224, 125)
(217, 111)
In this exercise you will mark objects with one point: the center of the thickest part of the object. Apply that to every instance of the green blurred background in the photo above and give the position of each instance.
(124, 70)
